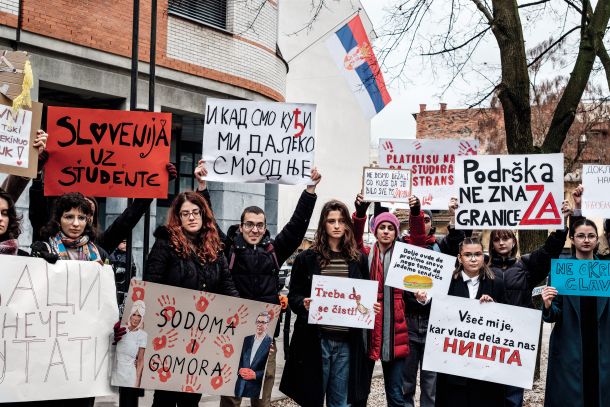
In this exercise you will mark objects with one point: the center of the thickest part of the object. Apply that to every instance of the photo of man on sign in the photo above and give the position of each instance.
(254, 359)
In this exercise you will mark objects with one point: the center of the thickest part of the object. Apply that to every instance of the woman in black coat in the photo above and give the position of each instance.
(188, 254)
(10, 226)
(471, 279)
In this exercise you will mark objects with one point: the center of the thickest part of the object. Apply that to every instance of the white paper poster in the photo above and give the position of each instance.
(414, 268)
(432, 163)
(489, 341)
(386, 185)
(342, 302)
(265, 142)
(15, 133)
(510, 191)
(596, 196)
(57, 329)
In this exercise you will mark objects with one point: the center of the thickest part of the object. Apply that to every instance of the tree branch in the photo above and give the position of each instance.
(552, 46)
(484, 10)
(604, 58)
(534, 3)
(574, 6)
(458, 46)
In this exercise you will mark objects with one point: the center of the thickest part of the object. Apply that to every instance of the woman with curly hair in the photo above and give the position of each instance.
(10, 226)
(188, 253)
(327, 362)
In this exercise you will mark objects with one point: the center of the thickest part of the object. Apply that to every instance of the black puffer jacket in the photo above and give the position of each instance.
(164, 266)
(254, 270)
(521, 275)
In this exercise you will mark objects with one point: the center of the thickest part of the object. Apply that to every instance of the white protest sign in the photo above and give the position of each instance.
(57, 332)
(413, 268)
(538, 290)
(342, 301)
(596, 183)
(432, 163)
(266, 142)
(510, 191)
(490, 341)
(386, 185)
(15, 134)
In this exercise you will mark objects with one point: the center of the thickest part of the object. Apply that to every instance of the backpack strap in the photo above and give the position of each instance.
(271, 249)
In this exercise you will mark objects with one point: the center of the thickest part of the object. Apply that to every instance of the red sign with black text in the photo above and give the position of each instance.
(107, 153)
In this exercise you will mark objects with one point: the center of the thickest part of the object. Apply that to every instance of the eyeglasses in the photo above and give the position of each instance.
(261, 322)
(582, 236)
(248, 226)
(71, 218)
(472, 256)
(195, 213)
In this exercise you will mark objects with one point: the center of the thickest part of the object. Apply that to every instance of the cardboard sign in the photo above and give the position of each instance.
(264, 142)
(193, 341)
(57, 334)
(107, 153)
(492, 342)
(386, 185)
(414, 268)
(510, 191)
(581, 277)
(595, 198)
(342, 301)
(17, 134)
(432, 163)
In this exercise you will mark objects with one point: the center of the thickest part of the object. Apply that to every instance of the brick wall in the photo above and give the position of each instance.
(106, 26)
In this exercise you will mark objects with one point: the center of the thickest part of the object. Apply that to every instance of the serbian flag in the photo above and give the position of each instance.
(352, 51)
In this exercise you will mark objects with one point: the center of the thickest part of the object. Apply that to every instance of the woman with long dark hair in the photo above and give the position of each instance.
(188, 253)
(10, 226)
(327, 362)
(472, 279)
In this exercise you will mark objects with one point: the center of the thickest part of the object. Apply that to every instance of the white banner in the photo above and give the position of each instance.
(57, 329)
(266, 142)
(432, 163)
(342, 301)
(490, 341)
(413, 268)
(510, 191)
(386, 185)
(595, 198)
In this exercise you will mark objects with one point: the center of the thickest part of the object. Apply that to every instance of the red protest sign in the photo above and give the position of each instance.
(107, 153)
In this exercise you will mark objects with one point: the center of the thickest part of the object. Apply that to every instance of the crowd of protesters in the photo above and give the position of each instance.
(328, 364)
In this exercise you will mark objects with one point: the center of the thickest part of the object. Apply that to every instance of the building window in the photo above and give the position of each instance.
(210, 12)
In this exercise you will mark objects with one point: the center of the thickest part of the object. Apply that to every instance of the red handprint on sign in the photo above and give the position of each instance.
(165, 339)
(195, 341)
(191, 385)
(316, 315)
(224, 343)
(368, 320)
(417, 145)
(388, 146)
(203, 300)
(169, 306)
(223, 377)
(138, 289)
(239, 317)
(164, 375)
(272, 310)
(466, 149)
(426, 200)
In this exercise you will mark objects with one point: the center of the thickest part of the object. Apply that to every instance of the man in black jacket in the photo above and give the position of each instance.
(255, 260)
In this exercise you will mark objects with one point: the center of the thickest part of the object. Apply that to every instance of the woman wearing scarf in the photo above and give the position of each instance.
(130, 350)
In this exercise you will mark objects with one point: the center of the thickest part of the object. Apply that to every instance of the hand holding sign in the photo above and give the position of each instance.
(548, 294)
(577, 196)
(316, 177)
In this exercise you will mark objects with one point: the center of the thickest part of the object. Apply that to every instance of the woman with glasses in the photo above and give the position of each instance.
(188, 253)
(577, 372)
(471, 279)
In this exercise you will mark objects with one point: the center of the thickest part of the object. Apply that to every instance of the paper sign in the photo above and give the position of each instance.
(413, 268)
(57, 329)
(581, 277)
(193, 341)
(342, 301)
(264, 142)
(510, 191)
(490, 341)
(386, 185)
(432, 163)
(595, 198)
(107, 153)
(17, 134)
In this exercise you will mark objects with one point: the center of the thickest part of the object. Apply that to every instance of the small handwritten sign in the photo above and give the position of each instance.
(581, 277)
(17, 133)
(386, 185)
(595, 198)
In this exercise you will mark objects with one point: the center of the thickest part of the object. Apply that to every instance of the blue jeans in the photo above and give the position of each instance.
(335, 371)
(393, 376)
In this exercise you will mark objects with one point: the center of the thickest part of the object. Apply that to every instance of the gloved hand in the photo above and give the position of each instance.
(39, 249)
(283, 302)
(361, 206)
(414, 205)
(119, 331)
(171, 170)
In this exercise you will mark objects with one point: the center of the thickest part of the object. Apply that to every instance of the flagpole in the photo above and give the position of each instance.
(325, 34)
